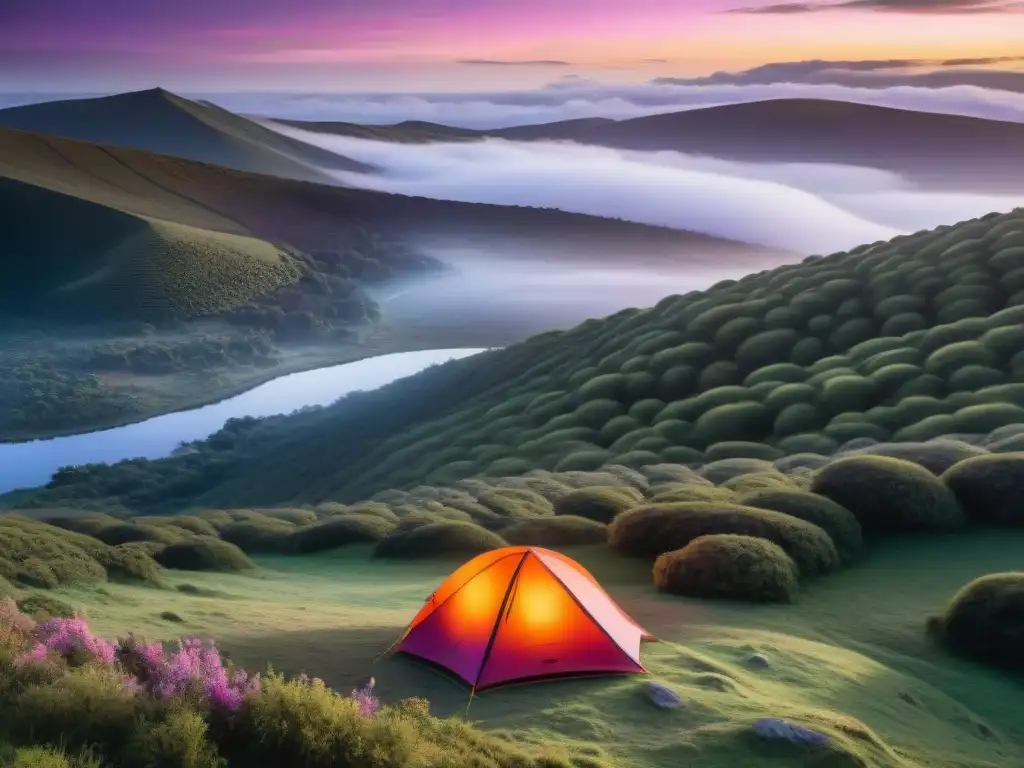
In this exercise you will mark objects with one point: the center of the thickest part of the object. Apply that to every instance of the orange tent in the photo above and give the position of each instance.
(519, 613)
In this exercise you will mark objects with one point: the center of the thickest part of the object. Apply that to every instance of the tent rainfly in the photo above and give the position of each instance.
(523, 613)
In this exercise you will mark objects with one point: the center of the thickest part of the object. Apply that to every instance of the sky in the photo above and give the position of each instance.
(101, 46)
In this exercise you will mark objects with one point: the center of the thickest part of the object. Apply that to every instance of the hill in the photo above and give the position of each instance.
(244, 276)
(906, 340)
(124, 266)
(161, 122)
(937, 150)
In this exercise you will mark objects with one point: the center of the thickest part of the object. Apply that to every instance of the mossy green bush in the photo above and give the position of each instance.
(600, 503)
(130, 562)
(337, 532)
(985, 620)
(889, 494)
(756, 481)
(204, 554)
(718, 472)
(651, 530)
(704, 491)
(936, 455)
(39, 555)
(737, 449)
(989, 488)
(124, 533)
(41, 606)
(257, 535)
(838, 522)
(558, 531)
(439, 540)
(729, 566)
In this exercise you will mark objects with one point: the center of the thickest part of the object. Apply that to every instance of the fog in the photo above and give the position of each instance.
(502, 292)
(577, 97)
(801, 207)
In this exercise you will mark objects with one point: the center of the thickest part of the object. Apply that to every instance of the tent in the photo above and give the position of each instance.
(523, 613)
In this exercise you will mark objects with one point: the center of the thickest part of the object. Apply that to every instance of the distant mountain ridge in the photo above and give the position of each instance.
(158, 121)
(935, 150)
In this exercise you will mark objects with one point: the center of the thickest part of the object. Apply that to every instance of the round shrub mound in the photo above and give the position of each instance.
(203, 554)
(985, 620)
(936, 455)
(439, 540)
(672, 492)
(837, 521)
(722, 470)
(560, 531)
(130, 562)
(989, 488)
(654, 529)
(261, 534)
(337, 532)
(756, 481)
(600, 502)
(889, 494)
(729, 566)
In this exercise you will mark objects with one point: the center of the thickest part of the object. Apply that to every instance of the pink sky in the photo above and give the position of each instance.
(418, 44)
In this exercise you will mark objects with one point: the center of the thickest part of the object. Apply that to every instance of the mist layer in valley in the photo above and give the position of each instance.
(801, 207)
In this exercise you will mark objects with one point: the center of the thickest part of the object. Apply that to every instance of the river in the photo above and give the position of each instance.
(33, 463)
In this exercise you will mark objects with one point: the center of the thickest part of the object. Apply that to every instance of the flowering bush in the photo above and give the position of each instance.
(133, 704)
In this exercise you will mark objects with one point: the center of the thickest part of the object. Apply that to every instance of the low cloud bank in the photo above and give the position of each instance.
(579, 98)
(807, 208)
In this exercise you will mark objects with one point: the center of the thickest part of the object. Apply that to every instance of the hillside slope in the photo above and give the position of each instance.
(910, 339)
(124, 266)
(162, 122)
(318, 218)
(949, 151)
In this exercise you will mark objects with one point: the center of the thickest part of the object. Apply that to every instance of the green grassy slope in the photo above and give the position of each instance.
(162, 122)
(124, 266)
(906, 340)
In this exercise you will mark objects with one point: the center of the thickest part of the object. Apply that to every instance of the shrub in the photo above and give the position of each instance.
(703, 491)
(946, 360)
(889, 494)
(204, 554)
(600, 503)
(651, 530)
(130, 562)
(737, 449)
(124, 533)
(985, 620)
(288, 515)
(41, 606)
(747, 420)
(338, 532)
(936, 455)
(720, 471)
(729, 566)
(756, 481)
(560, 531)
(439, 540)
(989, 488)
(837, 521)
(36, 555)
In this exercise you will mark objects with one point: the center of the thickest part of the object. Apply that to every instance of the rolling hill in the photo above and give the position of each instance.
(907, 340)
(937, 150)
(319, 219)
(123, 266)
(161, 122)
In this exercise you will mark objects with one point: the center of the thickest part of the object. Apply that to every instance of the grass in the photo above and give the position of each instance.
(850, 655)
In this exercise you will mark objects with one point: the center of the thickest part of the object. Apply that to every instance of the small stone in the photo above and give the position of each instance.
(779, 729)
(758, 661)
(662, 696)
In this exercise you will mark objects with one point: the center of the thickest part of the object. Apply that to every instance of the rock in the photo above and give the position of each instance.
(778, 729)
(758, 661)
(662, 696)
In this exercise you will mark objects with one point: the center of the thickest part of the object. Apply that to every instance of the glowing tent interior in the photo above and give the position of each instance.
(520, 613)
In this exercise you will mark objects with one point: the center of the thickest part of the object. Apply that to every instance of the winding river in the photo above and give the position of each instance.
(33, 463)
